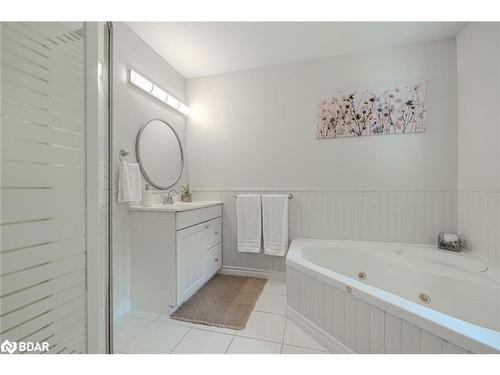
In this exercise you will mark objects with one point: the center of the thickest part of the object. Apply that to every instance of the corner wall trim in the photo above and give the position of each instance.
(324, 338)
(122, 309)
(255, 272)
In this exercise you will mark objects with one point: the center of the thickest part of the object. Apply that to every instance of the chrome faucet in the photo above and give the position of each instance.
(167, 198)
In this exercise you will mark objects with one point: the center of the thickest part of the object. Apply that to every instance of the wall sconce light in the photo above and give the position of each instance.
(146, 85)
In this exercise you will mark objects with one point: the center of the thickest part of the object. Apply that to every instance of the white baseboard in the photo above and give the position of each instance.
(122, 309)
(255, 272)
(320, 335)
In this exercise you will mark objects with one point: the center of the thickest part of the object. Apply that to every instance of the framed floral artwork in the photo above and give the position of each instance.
(357, 112)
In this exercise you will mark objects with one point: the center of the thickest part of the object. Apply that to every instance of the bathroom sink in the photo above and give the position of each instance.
(178, 206)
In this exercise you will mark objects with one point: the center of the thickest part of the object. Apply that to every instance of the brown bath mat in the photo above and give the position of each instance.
(224, 301)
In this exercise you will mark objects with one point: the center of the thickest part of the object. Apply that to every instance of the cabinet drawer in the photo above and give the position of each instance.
(213, 261)
(201, 236)
(186, 219)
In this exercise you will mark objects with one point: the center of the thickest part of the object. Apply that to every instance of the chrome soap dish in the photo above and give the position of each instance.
(451, 241)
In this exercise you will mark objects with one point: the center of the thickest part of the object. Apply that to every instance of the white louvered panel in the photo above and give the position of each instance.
(24, 297)
(30, 277)
(43, 268)
(46, 176)
(35, 204)
(67, 340)
(32, 233)
(14, 76)
(17, 260)
(25, 51)
(20, 62)
(31, 326)
(30, 151)
(21, 48)
(24, 94)
(73, 348)
(49, 333)
(53, 35)
(17, 32)
(35, 309)
(62, 338)
(22, 111)
(36, 34)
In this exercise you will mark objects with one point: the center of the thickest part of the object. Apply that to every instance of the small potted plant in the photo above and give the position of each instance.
(186, 195)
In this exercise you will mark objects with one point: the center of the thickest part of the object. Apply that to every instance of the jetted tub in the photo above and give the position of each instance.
(374, 297)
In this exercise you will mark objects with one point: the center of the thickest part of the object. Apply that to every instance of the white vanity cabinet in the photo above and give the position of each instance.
(198, 256)
(174, 251)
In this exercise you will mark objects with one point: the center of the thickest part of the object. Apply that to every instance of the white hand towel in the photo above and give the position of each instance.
(275, 224)
(129, 183)
(249, 223)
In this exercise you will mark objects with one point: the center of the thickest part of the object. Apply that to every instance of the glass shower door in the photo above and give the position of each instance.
(43, 254)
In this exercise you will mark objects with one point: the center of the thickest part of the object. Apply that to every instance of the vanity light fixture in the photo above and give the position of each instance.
(173, 102)
(146, 85)
(159, 93)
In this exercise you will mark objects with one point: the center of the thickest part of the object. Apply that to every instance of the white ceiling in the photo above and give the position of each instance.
(204, 48)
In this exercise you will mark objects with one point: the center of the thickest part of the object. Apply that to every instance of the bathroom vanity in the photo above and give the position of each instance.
(175, 249)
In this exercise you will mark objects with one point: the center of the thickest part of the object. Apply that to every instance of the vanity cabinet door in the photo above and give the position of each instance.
(213, 261)
(190, 260)
(193, 245)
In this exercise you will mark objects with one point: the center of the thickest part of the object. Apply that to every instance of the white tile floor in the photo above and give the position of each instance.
(267, 332)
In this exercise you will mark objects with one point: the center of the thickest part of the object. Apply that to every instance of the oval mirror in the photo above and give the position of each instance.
(159, 153)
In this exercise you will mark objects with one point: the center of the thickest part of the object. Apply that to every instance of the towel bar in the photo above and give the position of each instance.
(290, 196)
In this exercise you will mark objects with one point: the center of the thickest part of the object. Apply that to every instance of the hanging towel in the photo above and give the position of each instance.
(275, 224)
(129, 183)
(249, 223)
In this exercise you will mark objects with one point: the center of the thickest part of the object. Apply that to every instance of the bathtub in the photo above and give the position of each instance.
(374, 297)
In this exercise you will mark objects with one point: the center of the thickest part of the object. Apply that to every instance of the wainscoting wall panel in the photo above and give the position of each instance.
(355, 323)
(479, 221)
(395, 216)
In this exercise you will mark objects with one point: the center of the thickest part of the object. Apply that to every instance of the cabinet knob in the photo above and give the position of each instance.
(216, 260)
(216, 232)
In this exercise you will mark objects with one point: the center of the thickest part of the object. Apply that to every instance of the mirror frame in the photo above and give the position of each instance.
(138, 155)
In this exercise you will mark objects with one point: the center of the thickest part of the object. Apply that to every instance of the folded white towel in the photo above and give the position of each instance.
(275, 224)
(129, 183)
(249, 223)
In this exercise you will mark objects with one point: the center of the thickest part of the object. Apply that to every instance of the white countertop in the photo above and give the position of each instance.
(175, 207)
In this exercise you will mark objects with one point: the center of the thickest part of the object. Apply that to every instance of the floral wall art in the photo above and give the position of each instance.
(356, 112)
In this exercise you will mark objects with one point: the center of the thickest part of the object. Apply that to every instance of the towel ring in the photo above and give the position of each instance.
(123, 153)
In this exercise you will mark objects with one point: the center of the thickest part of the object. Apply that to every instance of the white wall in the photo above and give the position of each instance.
(132, 108)
(478, 50)
(255, 130)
